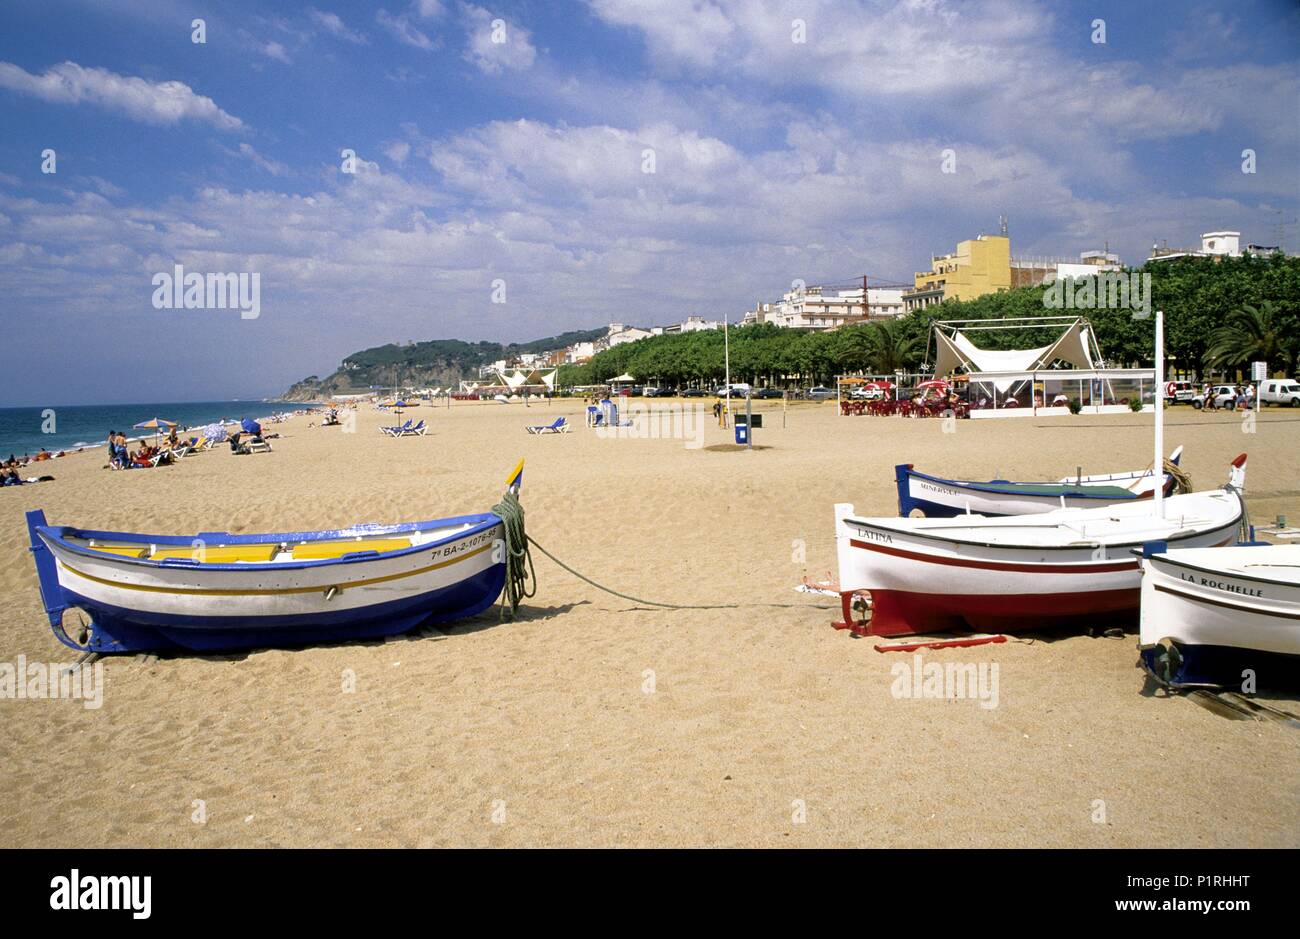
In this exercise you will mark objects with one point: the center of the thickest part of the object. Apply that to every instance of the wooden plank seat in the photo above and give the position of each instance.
(121, 550)
(219, 554)
(323, 550)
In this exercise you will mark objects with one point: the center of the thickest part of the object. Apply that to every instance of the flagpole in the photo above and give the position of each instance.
(726, 346)
(1158, 466)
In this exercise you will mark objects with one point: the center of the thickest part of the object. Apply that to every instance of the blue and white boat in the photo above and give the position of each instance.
(216, 591)
(938, 497)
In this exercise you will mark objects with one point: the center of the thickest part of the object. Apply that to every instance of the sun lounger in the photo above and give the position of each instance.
(419, 430)
(557, 426)
(397, 430)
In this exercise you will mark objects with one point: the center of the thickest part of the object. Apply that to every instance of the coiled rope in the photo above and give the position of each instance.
(1182, 479)
(521, 579)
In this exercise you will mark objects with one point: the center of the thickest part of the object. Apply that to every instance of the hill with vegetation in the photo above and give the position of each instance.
(435, 363)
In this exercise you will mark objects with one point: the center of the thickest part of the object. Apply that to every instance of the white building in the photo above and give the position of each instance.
(692, 324)
(619, 334)
(1220, 244)
(579, 352)
(813, 308)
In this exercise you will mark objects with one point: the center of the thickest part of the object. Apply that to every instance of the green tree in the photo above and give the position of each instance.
(1254, 333)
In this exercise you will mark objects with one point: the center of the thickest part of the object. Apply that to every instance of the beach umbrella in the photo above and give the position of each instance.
(216, 433)
(156, 424)
(251, 426)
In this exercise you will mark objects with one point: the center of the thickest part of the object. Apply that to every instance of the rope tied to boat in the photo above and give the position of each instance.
(521, 579)
(1182, 479)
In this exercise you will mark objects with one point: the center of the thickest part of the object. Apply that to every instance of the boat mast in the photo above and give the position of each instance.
(1158, 467)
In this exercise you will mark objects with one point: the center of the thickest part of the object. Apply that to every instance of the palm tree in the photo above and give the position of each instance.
(1252, 333)
(854, 347)
(892, 348)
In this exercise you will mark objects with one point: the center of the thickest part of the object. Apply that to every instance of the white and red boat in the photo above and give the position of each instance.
(1208, 615)
(1064, 567)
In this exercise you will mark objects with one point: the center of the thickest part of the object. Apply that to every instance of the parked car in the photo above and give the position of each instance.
(1284, 391)
(737, 391)
(867, 394)
(694, 393)
(1223, 395)
(651, 391)
(820, 393)
(1180, 392)
(769, 393)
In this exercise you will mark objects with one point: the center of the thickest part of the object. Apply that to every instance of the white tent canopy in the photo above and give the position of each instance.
(954, 350)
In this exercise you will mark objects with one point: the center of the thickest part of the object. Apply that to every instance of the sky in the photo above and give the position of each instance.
(398, 171)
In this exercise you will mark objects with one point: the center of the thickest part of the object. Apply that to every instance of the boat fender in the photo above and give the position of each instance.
(332, 592)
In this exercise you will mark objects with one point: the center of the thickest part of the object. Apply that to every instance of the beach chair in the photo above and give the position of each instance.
(419, 430)
(396, 430)
(557, 426)
(258, 445)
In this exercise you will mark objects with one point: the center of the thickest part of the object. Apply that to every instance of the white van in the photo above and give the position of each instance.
(1284, 391)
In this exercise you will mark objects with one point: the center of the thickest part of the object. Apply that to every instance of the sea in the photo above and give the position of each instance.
(27, 430)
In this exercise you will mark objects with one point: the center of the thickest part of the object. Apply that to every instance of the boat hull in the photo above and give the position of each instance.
(936, 497)
(1223, 623)
(137, 605)
(920, 579)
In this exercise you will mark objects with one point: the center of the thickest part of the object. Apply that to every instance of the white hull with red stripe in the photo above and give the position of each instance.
(1066, 567)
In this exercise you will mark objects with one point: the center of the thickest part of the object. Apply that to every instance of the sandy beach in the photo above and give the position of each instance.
(593, 721)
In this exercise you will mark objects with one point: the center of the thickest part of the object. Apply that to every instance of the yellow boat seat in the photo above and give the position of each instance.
(219, 554)
(322, 550)
(122, 550)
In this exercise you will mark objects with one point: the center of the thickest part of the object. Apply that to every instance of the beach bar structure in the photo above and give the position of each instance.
(1048, 392)
(1041, 380)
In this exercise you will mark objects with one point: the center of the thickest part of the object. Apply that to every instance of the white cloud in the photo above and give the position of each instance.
(334, 25)
(402, 28)
(688, 32)
(398, 151)
(994, 69)
(162, 103)
(273, 50)
(274, 167)
(494, 44)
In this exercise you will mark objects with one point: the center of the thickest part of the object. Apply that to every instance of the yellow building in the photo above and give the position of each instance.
(978, 266)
